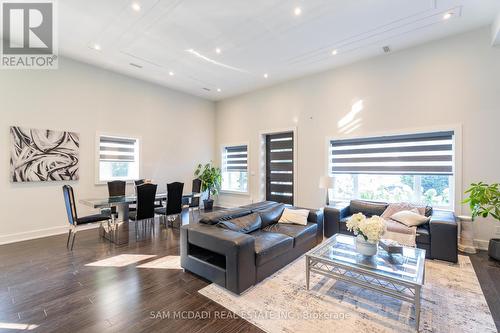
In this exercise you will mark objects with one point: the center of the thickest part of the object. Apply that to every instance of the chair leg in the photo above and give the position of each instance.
(73, 241)
(69, 236)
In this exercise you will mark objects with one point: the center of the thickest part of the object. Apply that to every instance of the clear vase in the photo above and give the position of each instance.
(366, 248)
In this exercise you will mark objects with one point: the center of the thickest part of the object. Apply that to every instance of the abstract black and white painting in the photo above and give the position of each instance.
(43, 155)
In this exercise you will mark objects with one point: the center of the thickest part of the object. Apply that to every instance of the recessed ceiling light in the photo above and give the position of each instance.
(266, 76)
(135, 6)
(218, 51)
(171, 73)
(219, 90)
(335, 52)
(297, 11)
(96, 47)
(447, 16)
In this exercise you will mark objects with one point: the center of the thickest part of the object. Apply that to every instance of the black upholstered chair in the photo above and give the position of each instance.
(146, 194)
(174, 202)
(195, 200)
(145, 212)
(116, 188)
(73, 219)
(158, 203)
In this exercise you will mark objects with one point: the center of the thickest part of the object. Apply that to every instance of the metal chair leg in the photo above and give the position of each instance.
(73, 241)
(69, 236)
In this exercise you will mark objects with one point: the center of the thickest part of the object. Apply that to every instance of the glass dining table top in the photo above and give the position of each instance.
(341, 250)
(126, 199)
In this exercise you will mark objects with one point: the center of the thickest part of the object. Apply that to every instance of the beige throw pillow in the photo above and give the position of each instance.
(410, 218)
(294, 216)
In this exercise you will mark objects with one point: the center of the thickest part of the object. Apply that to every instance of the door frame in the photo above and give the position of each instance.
(262, 161)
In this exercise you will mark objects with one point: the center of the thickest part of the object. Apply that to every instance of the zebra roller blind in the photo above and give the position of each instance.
(235, 158)
(114, 149)
(415, 154)
(279, 164)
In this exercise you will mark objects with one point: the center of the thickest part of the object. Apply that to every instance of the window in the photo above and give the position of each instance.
(415, 168)
(235, 168)
(118, 158)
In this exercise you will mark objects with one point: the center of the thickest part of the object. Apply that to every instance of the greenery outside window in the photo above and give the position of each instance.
(235, 168)
(415, 168)
(118, 158)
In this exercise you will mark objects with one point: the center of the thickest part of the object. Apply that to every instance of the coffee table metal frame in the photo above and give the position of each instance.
(368, 278)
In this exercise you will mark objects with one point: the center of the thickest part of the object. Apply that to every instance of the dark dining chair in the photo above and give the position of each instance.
(174, 202)
(73, 219)
(145, 212)
(158, 203)
(116, 188)
(195, 199)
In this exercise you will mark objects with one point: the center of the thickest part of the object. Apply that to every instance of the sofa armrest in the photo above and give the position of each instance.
(316, 216)
(238, 248)
(444, 232)
(333, 215)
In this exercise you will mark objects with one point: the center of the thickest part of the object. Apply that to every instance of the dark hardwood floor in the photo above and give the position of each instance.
(488, 274)
(43, 284)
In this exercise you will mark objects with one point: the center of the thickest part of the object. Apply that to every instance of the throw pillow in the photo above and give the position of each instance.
(410, 218)
(294, 216)
(271, 215)
(244, 224)
(397, 207)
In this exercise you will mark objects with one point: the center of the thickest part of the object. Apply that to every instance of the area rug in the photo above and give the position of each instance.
(452, 302)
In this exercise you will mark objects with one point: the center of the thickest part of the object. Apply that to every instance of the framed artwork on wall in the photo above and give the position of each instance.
(40, 155)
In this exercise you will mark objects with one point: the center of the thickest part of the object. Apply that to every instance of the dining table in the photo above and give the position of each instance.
(118, 231)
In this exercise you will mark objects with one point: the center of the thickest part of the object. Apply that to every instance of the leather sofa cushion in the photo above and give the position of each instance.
(271, 215)
(254, 207)
(269, 245)
(223, 215)
(299, 233)
(244, 224)
(368, 208)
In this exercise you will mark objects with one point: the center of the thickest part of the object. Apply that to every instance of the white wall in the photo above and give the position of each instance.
(177, 132)
(441, 84)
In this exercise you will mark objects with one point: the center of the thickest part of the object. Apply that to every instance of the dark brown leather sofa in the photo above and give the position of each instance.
(237, 248)
(438, 237)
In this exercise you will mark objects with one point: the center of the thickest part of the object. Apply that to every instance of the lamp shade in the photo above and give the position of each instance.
(326, 182)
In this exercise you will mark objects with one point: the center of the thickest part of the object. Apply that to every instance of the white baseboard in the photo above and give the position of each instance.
(40, 233)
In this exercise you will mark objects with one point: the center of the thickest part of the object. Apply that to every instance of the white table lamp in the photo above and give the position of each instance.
(326, 182)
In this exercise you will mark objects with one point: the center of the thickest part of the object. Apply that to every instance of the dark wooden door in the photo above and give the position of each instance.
(279, 167)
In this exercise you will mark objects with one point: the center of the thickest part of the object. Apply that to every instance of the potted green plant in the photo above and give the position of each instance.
(484, 201)
(211, 179)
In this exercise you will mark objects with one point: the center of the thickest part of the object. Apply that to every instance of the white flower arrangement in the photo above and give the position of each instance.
(371, 228)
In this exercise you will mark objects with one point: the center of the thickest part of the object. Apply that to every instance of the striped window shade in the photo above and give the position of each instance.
(235, 158)
(413, 154)
(114, 149)
(279, 167)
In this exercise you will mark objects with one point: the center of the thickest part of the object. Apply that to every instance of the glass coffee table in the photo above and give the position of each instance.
(397, 275)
